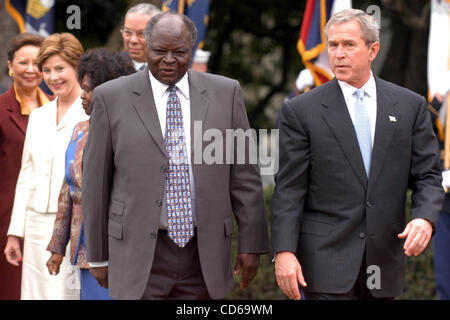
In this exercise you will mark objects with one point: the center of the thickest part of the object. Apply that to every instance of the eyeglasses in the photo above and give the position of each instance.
(127, 33)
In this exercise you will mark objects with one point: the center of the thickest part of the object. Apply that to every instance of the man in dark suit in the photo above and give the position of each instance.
(159, 217)
(349, 150)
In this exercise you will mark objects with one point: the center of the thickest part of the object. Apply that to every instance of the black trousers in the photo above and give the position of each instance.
(359, 291)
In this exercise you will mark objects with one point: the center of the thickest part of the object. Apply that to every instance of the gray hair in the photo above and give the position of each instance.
(144, 8)
(190, 25)
(368, 24)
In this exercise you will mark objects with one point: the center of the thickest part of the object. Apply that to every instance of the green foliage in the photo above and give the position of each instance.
(419, 279)
(264, 285)
(255, 43)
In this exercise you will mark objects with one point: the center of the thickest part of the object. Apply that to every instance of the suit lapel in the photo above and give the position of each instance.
(336, 115)
(144, 103)
(387, 119)
(199, 108)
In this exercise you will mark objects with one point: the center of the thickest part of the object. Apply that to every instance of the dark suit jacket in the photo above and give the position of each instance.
(124, 176)
(325, 208)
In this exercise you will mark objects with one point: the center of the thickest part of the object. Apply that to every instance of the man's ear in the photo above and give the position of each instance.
(373, 50)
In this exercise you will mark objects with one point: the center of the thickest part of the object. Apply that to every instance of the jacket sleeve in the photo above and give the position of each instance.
(291, 182)
(425, 178)
(61, 229)
(97, 181)
(246, 189)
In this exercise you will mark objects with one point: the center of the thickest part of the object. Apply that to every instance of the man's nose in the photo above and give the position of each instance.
(134, 38)
(340, 52)
(168, 57)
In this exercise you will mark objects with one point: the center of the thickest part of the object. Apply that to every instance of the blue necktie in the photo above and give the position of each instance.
(362, 127)
(178, 189)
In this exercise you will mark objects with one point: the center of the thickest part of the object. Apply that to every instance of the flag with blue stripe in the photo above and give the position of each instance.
(34, 16)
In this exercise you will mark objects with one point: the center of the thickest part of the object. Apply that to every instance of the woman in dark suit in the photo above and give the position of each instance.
(16, 104)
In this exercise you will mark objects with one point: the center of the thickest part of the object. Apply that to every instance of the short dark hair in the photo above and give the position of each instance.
(23, 39)
(102, 65)
(190, 25)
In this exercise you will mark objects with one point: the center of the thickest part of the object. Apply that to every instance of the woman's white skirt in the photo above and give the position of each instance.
(37, 283)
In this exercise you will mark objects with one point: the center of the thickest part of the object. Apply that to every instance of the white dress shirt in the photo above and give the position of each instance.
(370, 101)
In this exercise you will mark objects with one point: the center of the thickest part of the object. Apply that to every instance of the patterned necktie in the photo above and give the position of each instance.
(178, 189)
(362, 127)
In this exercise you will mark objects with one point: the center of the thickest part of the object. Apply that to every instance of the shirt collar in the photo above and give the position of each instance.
(369, 88)
(137, 65)
(159, 88)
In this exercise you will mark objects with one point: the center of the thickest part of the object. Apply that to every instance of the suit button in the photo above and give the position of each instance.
(163, 169)
(369, 204)
(362, 235)
(153, 235)
(158, 203)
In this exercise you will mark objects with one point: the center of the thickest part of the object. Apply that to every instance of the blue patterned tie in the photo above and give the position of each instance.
(362, 127)
(178, 190)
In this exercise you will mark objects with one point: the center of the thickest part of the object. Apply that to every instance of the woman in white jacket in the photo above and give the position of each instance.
(41, 175)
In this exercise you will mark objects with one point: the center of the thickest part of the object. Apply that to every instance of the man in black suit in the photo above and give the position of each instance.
(349, 150)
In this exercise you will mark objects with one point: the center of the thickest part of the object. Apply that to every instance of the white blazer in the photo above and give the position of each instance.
(43, 162)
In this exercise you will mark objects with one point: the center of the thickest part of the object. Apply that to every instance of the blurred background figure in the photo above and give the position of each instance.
(200, 61)
(304, 82)
(41, 175)
(16, 104)
(133, 33)
(96, 67)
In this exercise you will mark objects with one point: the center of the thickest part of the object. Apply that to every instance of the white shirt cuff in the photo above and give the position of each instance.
(98, 264)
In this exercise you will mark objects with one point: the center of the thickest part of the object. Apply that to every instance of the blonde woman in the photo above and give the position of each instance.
(41, 175)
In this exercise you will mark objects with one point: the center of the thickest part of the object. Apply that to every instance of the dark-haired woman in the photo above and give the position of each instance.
(16, 105)
(96, 66)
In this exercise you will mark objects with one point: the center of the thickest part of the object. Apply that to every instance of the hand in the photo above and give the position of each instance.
(248, 263)
(101, 274)
(53, 263)
(12, 251)
(289, 274)
(418, 234)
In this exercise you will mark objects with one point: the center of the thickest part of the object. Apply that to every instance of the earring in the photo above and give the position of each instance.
(10, 73)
